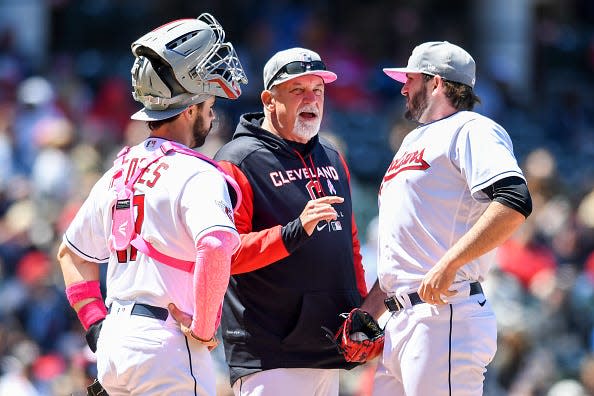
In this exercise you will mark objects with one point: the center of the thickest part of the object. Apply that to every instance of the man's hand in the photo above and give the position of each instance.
(185, 322)
(435, 286)
(318, 210)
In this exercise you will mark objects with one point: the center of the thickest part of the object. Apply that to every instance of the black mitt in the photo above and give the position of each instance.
(358, 347)
(92, 335)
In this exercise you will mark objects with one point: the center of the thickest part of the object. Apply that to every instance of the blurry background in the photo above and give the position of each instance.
(65, 102)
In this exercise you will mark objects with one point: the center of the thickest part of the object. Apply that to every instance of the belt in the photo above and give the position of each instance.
(394, 305)
(148, 311)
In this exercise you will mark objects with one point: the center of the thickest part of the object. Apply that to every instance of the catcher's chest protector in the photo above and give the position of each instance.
(123, 232)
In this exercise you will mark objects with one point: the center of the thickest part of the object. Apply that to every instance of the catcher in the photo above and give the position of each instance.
(162, 220)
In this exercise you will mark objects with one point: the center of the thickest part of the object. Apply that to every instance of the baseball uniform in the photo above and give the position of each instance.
(430, 196)
(178, 200)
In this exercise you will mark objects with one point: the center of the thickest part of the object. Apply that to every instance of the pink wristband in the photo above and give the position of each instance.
(79, 291)
(91, 313)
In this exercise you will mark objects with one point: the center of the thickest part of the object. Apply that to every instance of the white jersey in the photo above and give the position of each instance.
(178, 199)
(431, 196)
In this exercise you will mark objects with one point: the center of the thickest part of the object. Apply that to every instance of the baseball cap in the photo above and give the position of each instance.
(438, 58)
(292, 63)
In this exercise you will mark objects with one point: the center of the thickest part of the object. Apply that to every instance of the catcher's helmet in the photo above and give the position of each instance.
(182, 63)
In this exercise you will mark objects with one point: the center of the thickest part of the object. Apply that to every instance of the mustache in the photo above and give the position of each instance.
(309, 109)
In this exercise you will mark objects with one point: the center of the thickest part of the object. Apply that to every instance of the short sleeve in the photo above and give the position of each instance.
(206, 205)
(86, 234)
(484, 155)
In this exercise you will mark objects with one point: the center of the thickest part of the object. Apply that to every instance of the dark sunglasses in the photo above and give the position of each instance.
(297, 67)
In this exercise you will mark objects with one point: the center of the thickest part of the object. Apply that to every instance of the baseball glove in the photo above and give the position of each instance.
(92, 335)
(358, 347)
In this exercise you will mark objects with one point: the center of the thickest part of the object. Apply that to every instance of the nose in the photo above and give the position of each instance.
(404, 89)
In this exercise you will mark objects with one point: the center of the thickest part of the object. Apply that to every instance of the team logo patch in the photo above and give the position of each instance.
(408, 161)
(228, 211)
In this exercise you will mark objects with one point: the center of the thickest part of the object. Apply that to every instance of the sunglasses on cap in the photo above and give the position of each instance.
(297, 67)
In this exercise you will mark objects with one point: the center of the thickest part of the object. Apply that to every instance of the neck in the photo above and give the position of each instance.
(437, 110)
(174, 131)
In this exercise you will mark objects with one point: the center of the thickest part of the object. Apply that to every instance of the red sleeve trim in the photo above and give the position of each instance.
(258, 249)
(357, 258)
(346, 169)
(358, 261)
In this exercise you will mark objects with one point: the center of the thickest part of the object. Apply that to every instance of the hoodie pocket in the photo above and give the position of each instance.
(317, 310)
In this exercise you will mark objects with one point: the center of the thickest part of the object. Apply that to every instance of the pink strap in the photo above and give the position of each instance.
(145, 247)
(184, 150)
(122, 225)
(123, 232)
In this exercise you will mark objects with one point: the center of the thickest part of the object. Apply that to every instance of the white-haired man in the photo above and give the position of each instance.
(297, 209)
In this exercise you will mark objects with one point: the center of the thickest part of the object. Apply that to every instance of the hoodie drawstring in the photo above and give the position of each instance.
(315, 179)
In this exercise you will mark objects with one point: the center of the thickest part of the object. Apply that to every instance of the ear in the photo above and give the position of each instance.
(189, 112)
(437, 82)
(267, 100)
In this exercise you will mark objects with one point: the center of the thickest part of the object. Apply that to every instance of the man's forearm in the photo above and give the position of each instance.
(494, 227)
(374, 302)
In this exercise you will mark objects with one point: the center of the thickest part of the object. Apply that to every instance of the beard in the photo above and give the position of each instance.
(199, 132)
(417, 104)
(307, 129)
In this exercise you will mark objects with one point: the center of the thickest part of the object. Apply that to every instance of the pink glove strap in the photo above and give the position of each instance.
(79, 291)
(91, 313)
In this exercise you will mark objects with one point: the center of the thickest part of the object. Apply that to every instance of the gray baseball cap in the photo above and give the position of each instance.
(292, 63)
(438, 58)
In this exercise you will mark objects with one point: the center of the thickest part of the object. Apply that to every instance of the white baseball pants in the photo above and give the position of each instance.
(437, 350)
(138, 355)
(289, 382)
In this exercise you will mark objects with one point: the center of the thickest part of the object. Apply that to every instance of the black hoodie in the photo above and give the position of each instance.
(285, 285)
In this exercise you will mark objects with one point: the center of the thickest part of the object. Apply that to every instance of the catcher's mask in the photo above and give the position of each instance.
(183, 63)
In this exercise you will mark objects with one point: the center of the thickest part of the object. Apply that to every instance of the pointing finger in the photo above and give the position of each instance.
(331, 199)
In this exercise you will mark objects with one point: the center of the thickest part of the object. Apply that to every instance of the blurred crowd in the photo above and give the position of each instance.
(62, 122)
